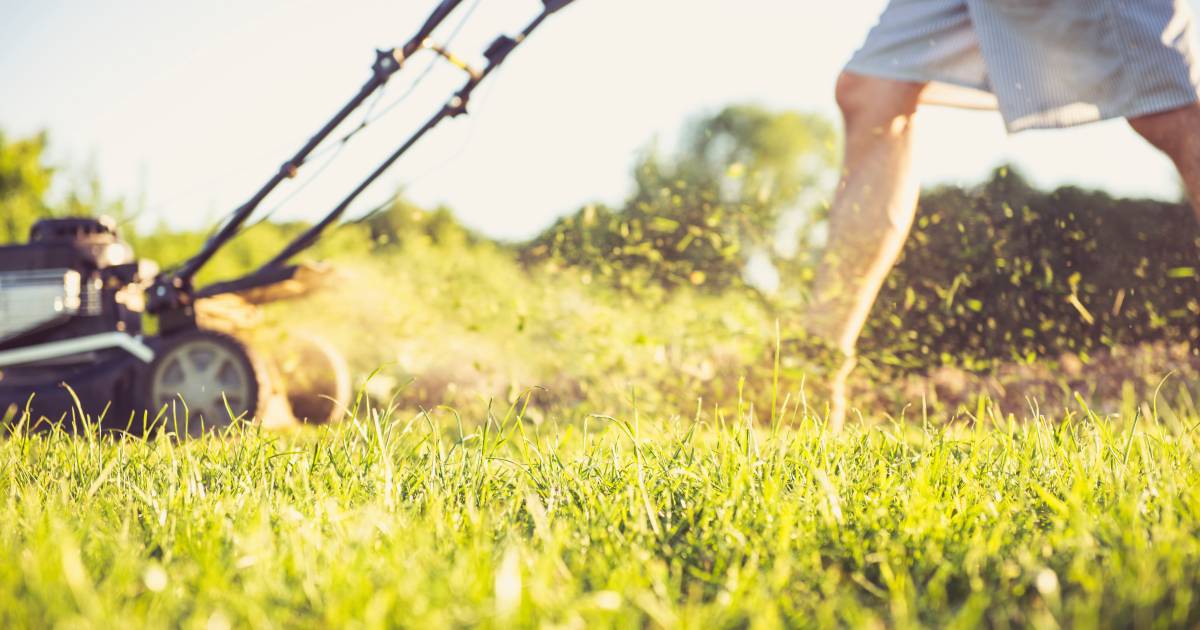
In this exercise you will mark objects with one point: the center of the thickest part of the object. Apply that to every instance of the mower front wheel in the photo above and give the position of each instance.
(202, 381)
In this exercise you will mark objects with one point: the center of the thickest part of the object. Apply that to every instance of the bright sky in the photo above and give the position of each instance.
(190, 106)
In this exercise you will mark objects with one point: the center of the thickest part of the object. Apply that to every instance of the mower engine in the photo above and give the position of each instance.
(70, 313)
(31, 300)
(65, 282)
(72, 302)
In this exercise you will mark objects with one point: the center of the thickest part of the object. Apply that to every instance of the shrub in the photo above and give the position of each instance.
(1004, 271)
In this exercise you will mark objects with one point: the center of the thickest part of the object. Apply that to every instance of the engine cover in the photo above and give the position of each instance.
(31, 300)
(82, 244)
(72, 278)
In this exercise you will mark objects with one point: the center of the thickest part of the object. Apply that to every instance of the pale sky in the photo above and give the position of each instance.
(192, 105)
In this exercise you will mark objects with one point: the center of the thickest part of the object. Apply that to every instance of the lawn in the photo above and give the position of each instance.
(436, 520)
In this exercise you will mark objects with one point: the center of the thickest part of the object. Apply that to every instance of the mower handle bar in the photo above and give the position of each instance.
(495, 55)
(387, 63)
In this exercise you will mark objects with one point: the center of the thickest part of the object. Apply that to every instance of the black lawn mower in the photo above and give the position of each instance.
(74, 299)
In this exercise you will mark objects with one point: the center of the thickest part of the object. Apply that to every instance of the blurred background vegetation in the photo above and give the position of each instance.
(673, 295)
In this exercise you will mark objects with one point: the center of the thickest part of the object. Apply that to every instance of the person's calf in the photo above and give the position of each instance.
(869, 218)
(1177, 134)
(872, 208)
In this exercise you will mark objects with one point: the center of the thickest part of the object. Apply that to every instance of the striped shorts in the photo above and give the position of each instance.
(1042, 63)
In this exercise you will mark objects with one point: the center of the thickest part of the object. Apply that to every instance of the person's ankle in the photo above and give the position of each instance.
(820, 369)
(805, 348)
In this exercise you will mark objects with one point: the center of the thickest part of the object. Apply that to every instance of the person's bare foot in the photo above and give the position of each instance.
(822, 370)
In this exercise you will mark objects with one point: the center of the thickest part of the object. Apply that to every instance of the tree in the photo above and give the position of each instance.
(697, 215)
(402, 219)
(25, 185)
(24, 181)
(1004, 271)
(762, 162)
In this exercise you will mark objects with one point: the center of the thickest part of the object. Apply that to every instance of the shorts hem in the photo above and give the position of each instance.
(1148, 109)
(912, 77)
(1028, 122)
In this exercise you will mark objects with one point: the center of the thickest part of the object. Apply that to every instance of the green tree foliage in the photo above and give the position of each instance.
(758, 162)
(245, 252)
(1005, 271)
(25, 189)
(24, 181)
(392, 227)
(696, 216)
(402, 220)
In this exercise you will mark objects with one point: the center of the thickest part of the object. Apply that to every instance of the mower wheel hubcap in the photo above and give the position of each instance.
(207, 378)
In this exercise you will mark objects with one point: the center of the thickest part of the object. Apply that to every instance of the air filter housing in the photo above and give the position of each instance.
(32, 300)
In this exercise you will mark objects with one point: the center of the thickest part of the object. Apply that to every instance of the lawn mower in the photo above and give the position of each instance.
(91, 335)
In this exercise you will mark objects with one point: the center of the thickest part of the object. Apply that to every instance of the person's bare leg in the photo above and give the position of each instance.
(870, 217)
(1177, 133)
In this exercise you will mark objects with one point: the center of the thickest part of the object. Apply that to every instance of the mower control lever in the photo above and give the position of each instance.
(495, 54)
(172, 295)
(386, 64)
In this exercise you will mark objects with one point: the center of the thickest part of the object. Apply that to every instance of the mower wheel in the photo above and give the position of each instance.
(315, 376)
(203, 381)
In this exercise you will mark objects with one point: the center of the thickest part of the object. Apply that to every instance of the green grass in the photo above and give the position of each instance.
(415, 521)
